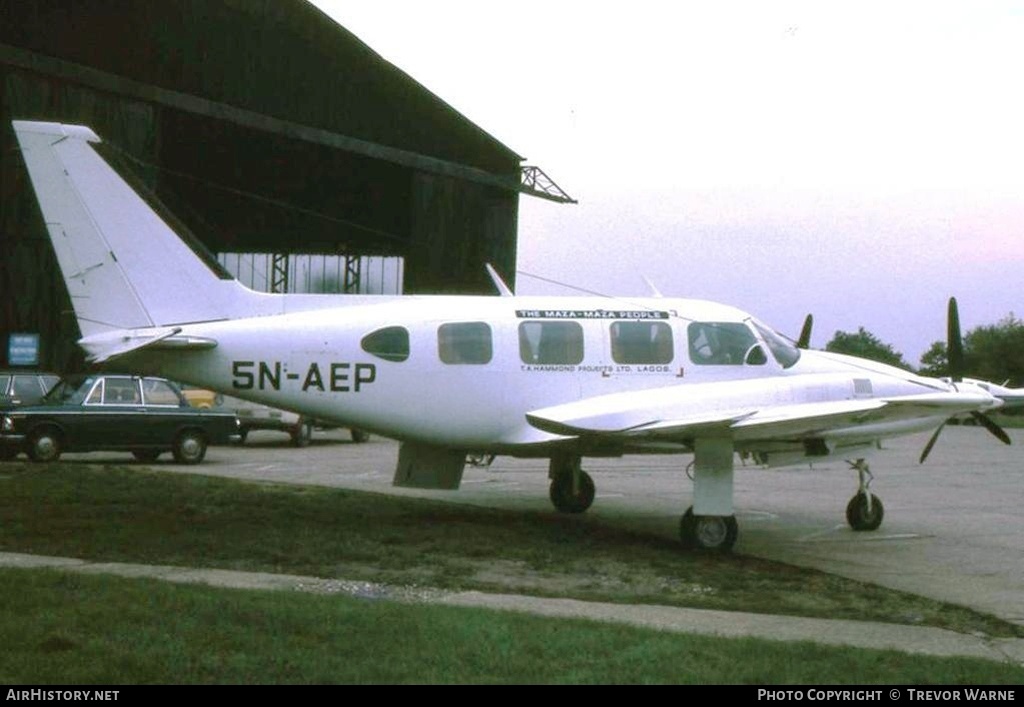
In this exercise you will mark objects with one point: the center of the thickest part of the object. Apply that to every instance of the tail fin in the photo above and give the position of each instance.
(124, 267)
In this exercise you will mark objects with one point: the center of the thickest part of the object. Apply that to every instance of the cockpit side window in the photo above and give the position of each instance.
(724, 344)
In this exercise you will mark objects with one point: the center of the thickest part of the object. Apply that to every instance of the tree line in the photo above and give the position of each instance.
(993, 352)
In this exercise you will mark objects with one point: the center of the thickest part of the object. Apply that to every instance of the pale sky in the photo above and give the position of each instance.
(859, 160)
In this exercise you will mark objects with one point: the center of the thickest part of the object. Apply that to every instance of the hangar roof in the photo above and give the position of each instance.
(279, 58)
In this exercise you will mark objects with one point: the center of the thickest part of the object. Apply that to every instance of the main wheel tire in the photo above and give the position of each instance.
(302, 433)
(44, 445)
(563, 498)
(858, 515)
(708, 533)
(189, 447)
(146, 455)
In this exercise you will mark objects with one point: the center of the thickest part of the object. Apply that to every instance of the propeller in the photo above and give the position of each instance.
(955, 364)
(804, 342)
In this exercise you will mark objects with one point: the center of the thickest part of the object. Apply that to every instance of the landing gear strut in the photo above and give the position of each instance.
(709, 525)
(864, 511)
(572, 489)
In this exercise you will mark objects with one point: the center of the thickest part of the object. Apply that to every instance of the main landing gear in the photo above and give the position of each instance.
(708, 533)
(864, 511)
(715, 530)
(572, 489)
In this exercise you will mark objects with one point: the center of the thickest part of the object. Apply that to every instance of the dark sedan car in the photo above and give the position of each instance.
(144, 416)
(21, 387)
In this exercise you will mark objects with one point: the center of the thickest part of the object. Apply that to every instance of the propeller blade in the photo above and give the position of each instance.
(992, 427)
(931, 443)
(955, 343)
(804, 342)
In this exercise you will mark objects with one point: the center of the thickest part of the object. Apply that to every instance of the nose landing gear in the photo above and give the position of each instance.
(865, 510)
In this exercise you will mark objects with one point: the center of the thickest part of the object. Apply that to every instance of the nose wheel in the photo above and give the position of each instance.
(865, 510)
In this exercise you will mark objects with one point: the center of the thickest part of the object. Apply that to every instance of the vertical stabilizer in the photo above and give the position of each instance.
(124, 266)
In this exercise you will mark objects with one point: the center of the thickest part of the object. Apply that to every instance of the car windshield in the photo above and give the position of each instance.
(72, 390)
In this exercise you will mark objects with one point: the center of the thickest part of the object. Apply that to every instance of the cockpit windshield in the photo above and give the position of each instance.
(784, 350)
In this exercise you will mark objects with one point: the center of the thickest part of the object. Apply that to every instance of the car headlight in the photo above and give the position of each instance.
(6, 424)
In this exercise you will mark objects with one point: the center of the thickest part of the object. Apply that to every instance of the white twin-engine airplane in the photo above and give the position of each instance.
(559, 378)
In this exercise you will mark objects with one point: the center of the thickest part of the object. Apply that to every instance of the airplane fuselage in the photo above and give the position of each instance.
(471, 368)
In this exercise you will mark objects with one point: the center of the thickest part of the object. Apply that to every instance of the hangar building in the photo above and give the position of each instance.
(276, 137)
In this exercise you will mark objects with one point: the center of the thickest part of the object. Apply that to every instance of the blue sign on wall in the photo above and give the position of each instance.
(23, 349)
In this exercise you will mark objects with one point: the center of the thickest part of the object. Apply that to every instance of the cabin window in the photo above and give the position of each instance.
(641, 342)
(464, 343)
(158, 392)
(551, 343)
(390, 343)
(724, 344)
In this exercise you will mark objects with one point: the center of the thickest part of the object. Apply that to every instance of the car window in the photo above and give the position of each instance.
(157, 392)
(4, 380)
(95, 397)
(121, 391)
(27, 386)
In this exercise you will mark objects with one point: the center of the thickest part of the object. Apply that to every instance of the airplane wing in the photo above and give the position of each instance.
(624, 416)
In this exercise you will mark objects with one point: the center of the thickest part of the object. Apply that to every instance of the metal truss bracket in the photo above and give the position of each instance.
(536, 183)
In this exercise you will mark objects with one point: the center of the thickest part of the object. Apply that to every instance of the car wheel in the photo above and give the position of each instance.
(44, 445)
(8, 454)
(189, 447)
(359, 436)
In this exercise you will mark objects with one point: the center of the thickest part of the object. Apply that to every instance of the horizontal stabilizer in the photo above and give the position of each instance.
(109, 345)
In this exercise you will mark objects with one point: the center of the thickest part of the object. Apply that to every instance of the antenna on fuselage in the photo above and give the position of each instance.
(655, 292)
(499, 284)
